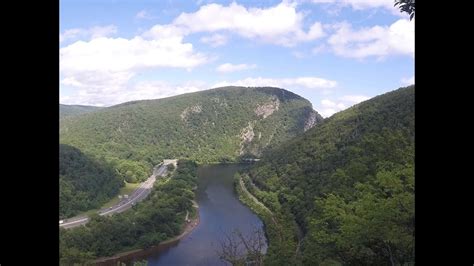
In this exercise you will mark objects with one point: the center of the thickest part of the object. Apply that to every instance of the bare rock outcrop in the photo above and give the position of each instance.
(189, 110)
(268, 108)
(246, 136)
(313, 119)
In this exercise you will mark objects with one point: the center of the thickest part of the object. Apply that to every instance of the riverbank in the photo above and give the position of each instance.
(252, 197)
(279, 228)
(138, 253)
(219, 210)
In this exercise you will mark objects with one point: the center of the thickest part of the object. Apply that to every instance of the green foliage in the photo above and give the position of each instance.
(131, 171)
(280, 230)
(377, 226)
(73, 256)
(84, 182)
(407, 6)
(159, 217)
(205, 126)
(66, 111)
(140, 263)
(170, 167)
(348, 183)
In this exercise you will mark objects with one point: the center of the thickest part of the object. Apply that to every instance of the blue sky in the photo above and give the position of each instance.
(335, 53)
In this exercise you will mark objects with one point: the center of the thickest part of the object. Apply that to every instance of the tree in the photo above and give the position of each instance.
(73, 255)
(238, 249)
(170, 167)
(407, 6)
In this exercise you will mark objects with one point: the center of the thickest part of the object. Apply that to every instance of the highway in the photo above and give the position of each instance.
(139, 194)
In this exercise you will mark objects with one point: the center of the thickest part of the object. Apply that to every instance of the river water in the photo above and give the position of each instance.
(220, 212)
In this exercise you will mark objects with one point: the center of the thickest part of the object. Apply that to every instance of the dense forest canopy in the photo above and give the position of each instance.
(159, 217)
(66, 111)
(84, 182)
(349, 185)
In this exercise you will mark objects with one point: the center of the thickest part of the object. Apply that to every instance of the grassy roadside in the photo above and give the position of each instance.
(186, 228)
(261, 210)
(127, 189)
(279, 228)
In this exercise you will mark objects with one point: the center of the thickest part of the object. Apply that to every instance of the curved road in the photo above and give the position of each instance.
(139, 194)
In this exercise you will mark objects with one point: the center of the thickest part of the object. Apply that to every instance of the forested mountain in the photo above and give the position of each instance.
(72, 110)
(349, 185)
(84, 183)
(222, 124)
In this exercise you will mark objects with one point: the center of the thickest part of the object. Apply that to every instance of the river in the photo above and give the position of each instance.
(220, 213)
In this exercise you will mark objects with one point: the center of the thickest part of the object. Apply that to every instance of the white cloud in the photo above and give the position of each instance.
(408, 81)
(298, 54)
(354, 98)
(101, 69)
(119, 54)
(364, 4)
(319, 49)
(329, 107)
(90, 33)
(327, 112)
(215, 40)
(323, 1)
(287, 83)
(139, 91)
(98, 81)
(378, 41)
(329, 103)
(70, 34)
(361, 4)
(280, 24)
(144, 14)
(98, 32)
(164, 31)
(227, 67)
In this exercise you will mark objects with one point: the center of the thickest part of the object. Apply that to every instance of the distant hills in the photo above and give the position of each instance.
(72, 110)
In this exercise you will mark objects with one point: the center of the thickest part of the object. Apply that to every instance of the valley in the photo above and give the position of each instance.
(243, 133)
(321, 190)
(220, 213)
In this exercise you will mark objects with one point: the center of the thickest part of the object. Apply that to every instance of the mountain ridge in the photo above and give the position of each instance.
(259, 117)
(349, 185)
(66, 110)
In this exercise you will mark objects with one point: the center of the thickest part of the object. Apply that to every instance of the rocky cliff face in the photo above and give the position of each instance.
(266, 109)
(313, 119)
(247, 136)
(189, 110)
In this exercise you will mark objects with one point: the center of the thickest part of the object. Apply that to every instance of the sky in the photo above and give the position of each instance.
(335, 53)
